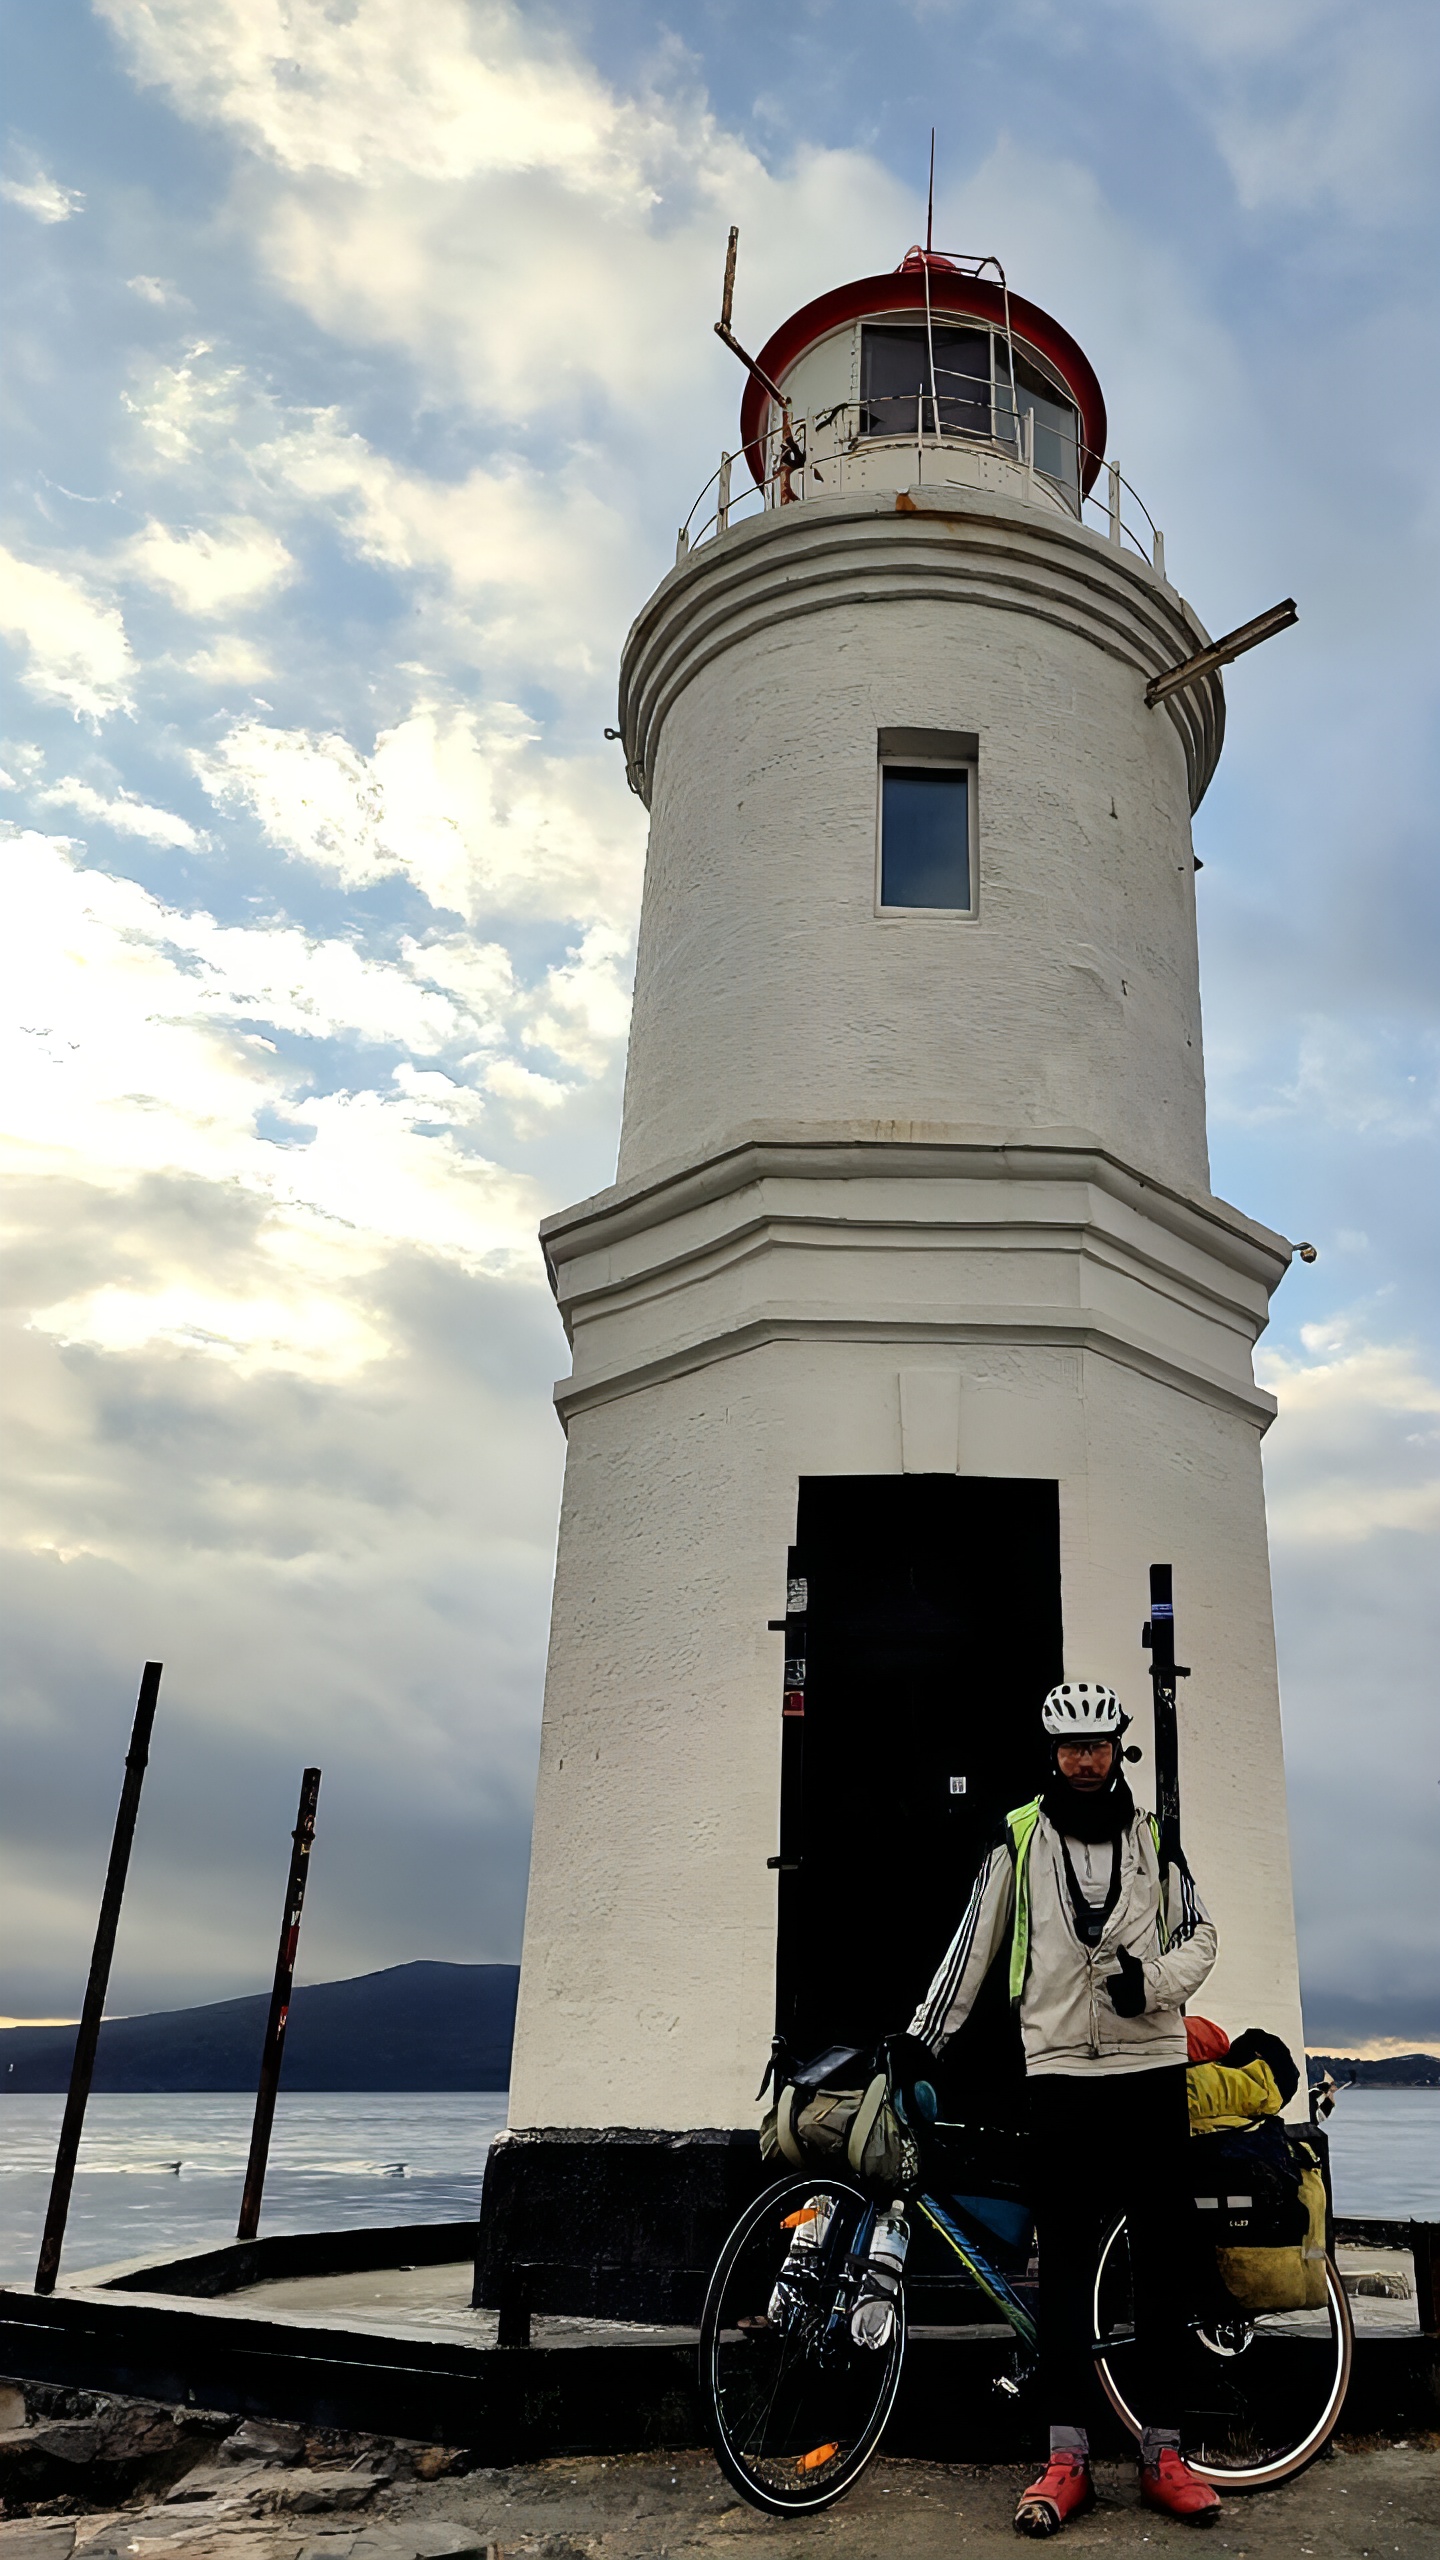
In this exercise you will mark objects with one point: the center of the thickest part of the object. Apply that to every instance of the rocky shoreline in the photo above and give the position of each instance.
(90, 2476)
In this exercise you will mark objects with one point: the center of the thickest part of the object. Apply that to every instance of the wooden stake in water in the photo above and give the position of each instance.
(83, 2065)
(273, 2049)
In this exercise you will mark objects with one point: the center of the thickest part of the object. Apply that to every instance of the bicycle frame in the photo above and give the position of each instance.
(977, 2266)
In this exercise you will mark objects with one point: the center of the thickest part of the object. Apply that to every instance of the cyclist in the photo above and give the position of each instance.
(1106, 1939)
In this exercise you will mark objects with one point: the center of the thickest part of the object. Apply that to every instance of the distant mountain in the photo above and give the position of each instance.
(414, 2026)
(1393, 2071)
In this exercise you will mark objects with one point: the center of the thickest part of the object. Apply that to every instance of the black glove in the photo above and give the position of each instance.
(1127, 1987)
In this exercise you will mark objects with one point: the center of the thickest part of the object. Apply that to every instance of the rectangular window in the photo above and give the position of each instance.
(927, 834)
(895, 388)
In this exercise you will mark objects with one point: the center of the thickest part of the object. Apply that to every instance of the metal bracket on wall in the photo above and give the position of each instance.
(1220, 652)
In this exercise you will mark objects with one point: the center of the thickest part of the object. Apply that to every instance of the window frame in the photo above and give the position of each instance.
(1004, 428)
(945, 751)
(911, 327)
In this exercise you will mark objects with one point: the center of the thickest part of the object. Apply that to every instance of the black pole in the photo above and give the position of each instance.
(273, 2049)
(82, 2066)
(789, 1861)
(1159, 1634)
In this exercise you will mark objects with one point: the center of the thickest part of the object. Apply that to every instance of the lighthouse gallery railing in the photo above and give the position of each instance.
(822, 456)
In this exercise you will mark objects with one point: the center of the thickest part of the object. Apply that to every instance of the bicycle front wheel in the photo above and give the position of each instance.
(1263, 2391)
(794, 2404)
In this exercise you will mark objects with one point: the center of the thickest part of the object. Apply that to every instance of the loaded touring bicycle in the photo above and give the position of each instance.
(805, 2326)
(890, 2222)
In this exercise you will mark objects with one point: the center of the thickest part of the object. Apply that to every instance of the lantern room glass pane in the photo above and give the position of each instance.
(895, 380)
(971, 398)
(1057, 437)
(925, 836)
(962, 381)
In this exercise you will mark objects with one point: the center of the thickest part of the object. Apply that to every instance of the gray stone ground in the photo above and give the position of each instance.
(268, 2494)
(1361, 2503)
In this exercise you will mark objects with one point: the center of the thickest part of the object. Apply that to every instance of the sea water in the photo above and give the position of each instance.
(165, 2172)
(162, 2173)
(1385, 2153)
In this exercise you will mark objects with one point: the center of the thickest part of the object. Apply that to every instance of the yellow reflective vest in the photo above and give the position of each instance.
(1021, 1827)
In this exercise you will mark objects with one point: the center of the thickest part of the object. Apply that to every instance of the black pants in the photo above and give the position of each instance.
(1100, 2146)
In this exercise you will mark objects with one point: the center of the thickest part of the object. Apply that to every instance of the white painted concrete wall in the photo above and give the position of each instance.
(910, 1193)
(768, 989)
(648, 1986)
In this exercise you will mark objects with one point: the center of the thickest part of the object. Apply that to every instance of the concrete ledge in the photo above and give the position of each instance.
(207, 2272)
(754, 1153)
(509, 2405)
(825, 1243)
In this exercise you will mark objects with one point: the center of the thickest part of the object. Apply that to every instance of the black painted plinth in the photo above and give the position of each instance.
(612, 2222)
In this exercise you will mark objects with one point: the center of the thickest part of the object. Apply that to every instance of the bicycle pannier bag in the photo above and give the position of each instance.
(1266, 2216)
(843, 2129)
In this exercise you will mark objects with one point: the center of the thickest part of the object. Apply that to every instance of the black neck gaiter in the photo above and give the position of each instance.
(1102, 1816)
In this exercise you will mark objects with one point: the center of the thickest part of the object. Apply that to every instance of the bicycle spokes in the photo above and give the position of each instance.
(1261, 2393)
(796, 2402)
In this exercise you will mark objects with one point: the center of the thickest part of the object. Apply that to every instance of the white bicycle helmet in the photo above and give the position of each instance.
(1083, 1708)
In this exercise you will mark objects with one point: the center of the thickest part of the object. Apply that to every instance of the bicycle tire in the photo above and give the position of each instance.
(794, 2414)
(1229, 2343)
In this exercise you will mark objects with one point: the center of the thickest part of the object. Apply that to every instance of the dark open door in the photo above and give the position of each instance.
(932, 1631)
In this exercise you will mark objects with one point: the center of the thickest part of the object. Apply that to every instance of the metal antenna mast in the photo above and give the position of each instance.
(929, 318)
(930, 200)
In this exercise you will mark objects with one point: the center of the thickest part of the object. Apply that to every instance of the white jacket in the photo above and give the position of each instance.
(1067, 2020)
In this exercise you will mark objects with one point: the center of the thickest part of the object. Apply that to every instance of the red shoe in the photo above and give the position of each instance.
(1169, 2484)
(1064, 2489)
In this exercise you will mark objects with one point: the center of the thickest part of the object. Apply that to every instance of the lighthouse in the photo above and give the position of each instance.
(910, 1332)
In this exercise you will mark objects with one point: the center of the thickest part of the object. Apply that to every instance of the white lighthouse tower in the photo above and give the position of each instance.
(910, 1332)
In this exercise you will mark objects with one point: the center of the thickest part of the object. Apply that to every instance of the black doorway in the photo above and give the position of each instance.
(933, 1630)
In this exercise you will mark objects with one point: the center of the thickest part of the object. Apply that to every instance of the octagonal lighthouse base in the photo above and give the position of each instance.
(965, 1391)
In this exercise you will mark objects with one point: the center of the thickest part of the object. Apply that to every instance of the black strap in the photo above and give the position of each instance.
(1090, 1922)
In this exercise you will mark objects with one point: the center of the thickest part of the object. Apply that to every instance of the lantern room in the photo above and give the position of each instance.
(935, 373)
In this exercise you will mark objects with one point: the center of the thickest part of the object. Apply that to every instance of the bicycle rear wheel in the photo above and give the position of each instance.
(1263, 2391)
(794, 2407)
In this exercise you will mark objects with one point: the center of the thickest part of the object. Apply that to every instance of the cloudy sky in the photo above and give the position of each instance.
(360, 371)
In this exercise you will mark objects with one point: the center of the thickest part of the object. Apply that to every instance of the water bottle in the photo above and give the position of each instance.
(810, 2228)
(872, 2322)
